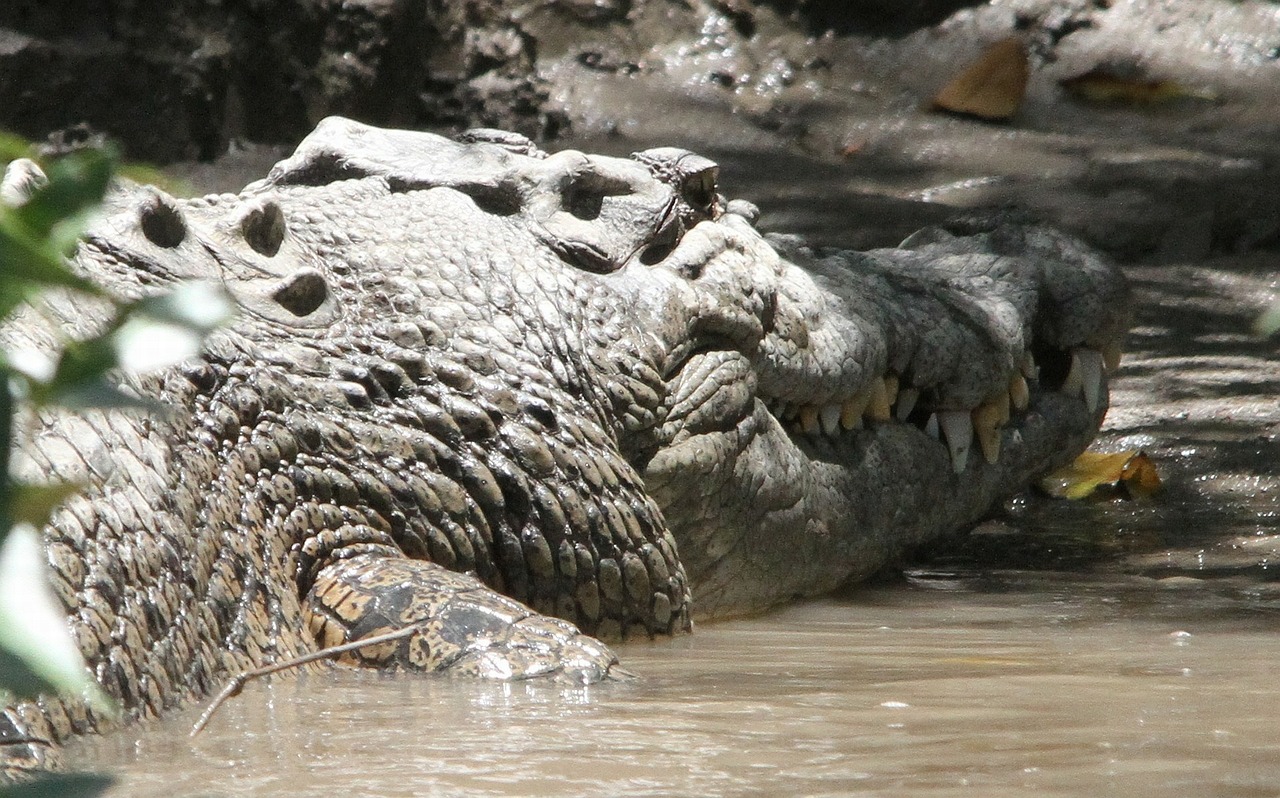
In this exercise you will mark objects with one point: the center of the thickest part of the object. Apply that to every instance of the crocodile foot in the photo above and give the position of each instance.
(466, 628)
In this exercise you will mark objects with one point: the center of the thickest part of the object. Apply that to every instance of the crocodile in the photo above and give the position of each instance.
(525, 403)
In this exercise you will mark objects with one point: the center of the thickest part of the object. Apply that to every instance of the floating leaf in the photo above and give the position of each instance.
(990, 88)
(1132, 472)
(1126, 86)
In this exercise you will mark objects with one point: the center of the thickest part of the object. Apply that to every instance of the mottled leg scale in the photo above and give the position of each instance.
(467, 628)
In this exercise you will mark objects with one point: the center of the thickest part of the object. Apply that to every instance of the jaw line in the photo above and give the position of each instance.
(821, 513)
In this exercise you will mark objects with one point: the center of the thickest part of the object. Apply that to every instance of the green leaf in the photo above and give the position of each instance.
(77, 182)
(19, 680)
(33, 504)
(80, 370)
(100, 393)
(12, 147)
(27, 257)
(60, 785)
(198, 305)
(33, 626)
(13, 292)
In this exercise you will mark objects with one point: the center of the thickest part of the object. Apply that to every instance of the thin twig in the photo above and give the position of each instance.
(238, 682)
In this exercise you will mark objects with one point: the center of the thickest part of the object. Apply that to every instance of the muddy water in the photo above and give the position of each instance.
(1062, 649)
(1068, 685)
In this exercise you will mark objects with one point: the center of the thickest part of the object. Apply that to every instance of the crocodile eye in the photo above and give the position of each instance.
(692, 175)
(699, 188)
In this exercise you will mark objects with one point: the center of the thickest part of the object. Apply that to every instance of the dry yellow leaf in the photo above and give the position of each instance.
(1124, 87)
(1131, 472)
(991, 87)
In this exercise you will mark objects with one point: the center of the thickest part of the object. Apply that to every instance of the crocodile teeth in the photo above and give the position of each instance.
(1028, 366)
(986, 425)
(1019, 393)
(1091, 365)
(931, 427)
(1074, 383)
(851, 411)
(829, 418)
(1111, 354)
(809, 419)
(878, 406)
(957, 428)
(1001, 401)
(907, 398)
(891, 388)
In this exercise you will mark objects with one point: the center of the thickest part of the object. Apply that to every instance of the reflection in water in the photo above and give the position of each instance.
(1074, 688)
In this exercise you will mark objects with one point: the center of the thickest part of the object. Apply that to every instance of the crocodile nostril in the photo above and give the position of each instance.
(302, 292)
(162, 222)
(262, 225)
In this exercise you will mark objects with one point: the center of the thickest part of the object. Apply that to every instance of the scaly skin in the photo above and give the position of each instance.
(553, 372)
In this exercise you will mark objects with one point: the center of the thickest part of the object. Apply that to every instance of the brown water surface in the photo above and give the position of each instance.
(1069, 686)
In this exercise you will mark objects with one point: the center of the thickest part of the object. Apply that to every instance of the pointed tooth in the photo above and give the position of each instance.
(1111, 355)
(1029, 368)
(1001, 400)
(830, 420)
(1073, 384)
(1091, 379)
(931, 427)
(891, 385)
(957, 428)
(809, 419)
(907, 398)
(878, 406)
(986, 426)
(1019, 393)
(851, 411)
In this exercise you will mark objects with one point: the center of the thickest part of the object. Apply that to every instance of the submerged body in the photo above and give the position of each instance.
(525, 400)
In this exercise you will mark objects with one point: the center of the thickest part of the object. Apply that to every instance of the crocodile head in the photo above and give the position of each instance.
(559, 370)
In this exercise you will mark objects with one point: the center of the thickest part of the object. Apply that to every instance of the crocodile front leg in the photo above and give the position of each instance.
(465, 627)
